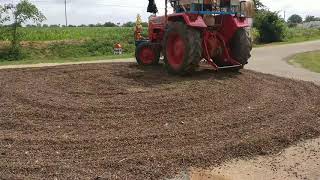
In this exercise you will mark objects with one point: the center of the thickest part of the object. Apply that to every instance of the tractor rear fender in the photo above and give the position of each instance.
(156, 28)
(192, 20)
(230, 24)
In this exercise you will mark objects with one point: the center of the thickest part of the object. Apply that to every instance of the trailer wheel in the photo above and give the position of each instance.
(241, 46)
(182, 48)
(147, 54)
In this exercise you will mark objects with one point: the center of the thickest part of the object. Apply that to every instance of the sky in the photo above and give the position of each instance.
(120, 11)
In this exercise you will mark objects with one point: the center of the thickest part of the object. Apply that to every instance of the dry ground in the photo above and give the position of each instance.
(109, 121)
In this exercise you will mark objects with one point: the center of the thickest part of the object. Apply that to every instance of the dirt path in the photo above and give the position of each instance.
(119, 121)
(298, 162)
(21, 66)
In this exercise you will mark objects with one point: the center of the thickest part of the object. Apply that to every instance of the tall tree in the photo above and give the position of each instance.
(21, 13)
(294, 20)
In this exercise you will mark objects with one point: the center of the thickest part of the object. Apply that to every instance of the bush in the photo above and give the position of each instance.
(292, 25)
(11, 54)
(87, 48)
(255, 35)
(271, 27)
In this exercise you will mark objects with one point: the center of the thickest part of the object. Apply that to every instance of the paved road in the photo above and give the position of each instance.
(271, 60)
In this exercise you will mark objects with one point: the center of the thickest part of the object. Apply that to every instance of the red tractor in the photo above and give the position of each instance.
(214, 31)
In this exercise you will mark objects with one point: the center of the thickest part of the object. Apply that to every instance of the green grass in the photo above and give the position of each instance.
(308, 60)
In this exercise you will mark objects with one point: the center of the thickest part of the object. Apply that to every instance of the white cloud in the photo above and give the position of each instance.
(303, 8)
(94, 11)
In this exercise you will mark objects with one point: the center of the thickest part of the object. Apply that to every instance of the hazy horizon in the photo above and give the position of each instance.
(101, 11)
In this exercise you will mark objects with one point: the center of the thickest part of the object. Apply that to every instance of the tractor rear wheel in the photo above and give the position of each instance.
(147, 54)
(182, 48)
(241, 46)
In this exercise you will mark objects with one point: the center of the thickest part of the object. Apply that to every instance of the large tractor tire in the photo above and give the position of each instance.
(241, 46)
(147, 54)
(182, 48)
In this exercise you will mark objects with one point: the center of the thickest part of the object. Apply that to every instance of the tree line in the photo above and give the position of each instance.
(269, 26)
(292, 21)
(107, 24)
(296, 19)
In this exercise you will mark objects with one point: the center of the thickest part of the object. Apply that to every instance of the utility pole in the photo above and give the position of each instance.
(284, 15)
(65, 12)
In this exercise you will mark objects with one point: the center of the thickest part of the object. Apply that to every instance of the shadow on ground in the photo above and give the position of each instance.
(155, 75)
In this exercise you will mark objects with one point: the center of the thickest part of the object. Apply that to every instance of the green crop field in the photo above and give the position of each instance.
(299, 34)
(74, 33)
(71, 43)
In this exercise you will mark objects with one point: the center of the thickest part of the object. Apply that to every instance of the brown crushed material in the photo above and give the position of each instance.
(121, 121)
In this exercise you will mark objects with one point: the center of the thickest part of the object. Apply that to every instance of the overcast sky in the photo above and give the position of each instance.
(94, 11)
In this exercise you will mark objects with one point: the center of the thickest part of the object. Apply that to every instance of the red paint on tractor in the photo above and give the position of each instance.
(175, 50)
(156, 28)
(231, 24)
(192, 20)
(147, 55)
